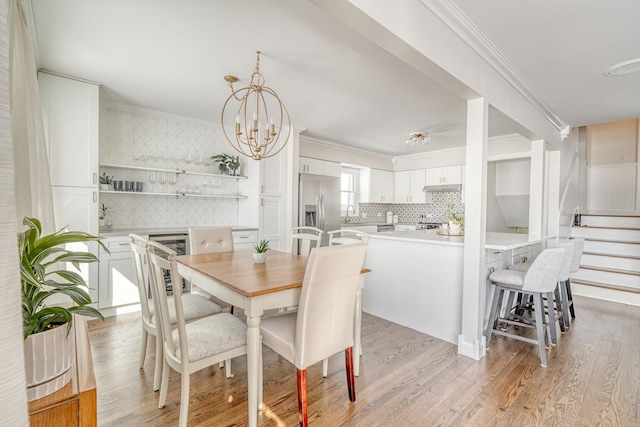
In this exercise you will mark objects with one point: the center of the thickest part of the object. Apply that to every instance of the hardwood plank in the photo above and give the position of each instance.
(406, 378)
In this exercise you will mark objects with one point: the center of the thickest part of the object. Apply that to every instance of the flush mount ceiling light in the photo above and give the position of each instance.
(626, 67)
(256, 134)
(418, 138)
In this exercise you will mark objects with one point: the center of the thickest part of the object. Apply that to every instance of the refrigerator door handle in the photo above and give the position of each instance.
(318, 212)
(321, 212)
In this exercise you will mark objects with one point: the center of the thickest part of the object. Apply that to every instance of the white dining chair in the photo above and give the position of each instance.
(191, 346)
(303, 239)
(195, 306)
(206, 240)
(346, 237)
(322, 326)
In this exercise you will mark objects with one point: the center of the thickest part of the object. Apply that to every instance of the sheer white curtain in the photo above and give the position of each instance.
(33, 187)
(13, 389)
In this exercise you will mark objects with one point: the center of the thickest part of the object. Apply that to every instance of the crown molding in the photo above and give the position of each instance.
(430, 153)
(304, 138)
(452, 16)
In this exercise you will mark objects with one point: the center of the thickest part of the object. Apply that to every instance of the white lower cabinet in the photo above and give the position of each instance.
(494, 260)
(245, 239)
(117, 283)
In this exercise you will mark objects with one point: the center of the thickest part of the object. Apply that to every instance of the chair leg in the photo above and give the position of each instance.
(164, 386)
(351, 384)
(570, 297)
(493, 314)
(552, 319)
(559, 309)
(565, 303)
(157, 373)
(143, 347)
(184, 399)
(260, 377)
(540, 328)
(325, 367)
(302, 397)
(227, 368)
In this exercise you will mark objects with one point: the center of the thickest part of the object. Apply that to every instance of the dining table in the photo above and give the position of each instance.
(235, 278)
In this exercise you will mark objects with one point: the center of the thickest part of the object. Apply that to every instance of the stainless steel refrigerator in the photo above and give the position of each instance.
(319, 203)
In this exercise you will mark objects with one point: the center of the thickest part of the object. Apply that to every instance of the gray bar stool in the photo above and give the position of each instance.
(560, 292)
(540, 279)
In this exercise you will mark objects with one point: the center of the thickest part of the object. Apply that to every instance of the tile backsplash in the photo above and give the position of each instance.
(152, 140)
(410, 213)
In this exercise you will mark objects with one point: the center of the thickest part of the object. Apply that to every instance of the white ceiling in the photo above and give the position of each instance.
(172, 55)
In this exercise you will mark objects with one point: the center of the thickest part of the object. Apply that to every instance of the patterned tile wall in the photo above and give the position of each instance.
(411, 213)
(151, 140)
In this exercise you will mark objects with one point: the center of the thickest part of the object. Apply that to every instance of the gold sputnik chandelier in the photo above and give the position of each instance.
(418, 138)
(257, 134)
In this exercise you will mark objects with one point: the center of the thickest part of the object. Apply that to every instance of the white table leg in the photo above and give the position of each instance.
(357, 348)
(253, 362)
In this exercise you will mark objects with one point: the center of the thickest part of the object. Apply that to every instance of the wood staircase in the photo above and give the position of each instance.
(610, 265)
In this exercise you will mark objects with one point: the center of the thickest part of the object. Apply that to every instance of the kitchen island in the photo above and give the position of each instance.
(416, 278)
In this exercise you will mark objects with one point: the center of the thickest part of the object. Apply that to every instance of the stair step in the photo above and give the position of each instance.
(612, 247)
(611, 255)
(616, 277)
(594, 220)
(610, 262)
(607, 233)
(604, 285)
(611, 270)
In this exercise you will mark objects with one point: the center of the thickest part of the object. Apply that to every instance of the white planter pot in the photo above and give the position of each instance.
(454, 228)
(104, 187)
(259, 258)
(48, 357)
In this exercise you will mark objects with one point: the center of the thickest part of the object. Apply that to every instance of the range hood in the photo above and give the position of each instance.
(442, 187)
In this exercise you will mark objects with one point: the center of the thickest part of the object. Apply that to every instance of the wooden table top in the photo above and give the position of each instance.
(239, 272)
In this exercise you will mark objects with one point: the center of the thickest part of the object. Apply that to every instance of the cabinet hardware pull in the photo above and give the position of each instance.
(123, 244)
(95, 177)
(95, 196)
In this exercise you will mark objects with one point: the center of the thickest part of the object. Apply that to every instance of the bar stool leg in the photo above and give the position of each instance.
(493, 314)
(552, 319)
(559, 309)
(570, 298)
(565, 303)
(540, 328)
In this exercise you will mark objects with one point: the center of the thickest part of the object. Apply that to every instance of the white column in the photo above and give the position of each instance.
(471, 342)
(536, 189)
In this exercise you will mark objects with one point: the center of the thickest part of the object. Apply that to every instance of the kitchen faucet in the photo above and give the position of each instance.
(354, 212)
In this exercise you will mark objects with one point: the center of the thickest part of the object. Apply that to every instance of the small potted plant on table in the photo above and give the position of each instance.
(260, 255)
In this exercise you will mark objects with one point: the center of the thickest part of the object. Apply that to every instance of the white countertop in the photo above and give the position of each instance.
(420, 236)
(508, 241)
(496, 241)
(172, 230)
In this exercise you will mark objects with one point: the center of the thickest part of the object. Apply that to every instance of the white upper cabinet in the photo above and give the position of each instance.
(408, 186)
(381, 186)
(376, 186)
(444, 175)
(318, 167)
(70, 116)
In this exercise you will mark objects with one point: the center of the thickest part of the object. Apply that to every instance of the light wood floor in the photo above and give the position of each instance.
(406, 379)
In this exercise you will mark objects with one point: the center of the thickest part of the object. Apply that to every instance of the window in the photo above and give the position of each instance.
(349, 179)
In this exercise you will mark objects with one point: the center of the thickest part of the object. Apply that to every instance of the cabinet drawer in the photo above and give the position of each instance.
(493, 255)
(116, 244)
(522, 250)
(240, 237)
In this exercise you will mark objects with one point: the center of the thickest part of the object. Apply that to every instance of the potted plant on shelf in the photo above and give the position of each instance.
(227, 164)
(455, 216)
(260, 255)
(104, 213)
(105, 181)
(48, 347)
